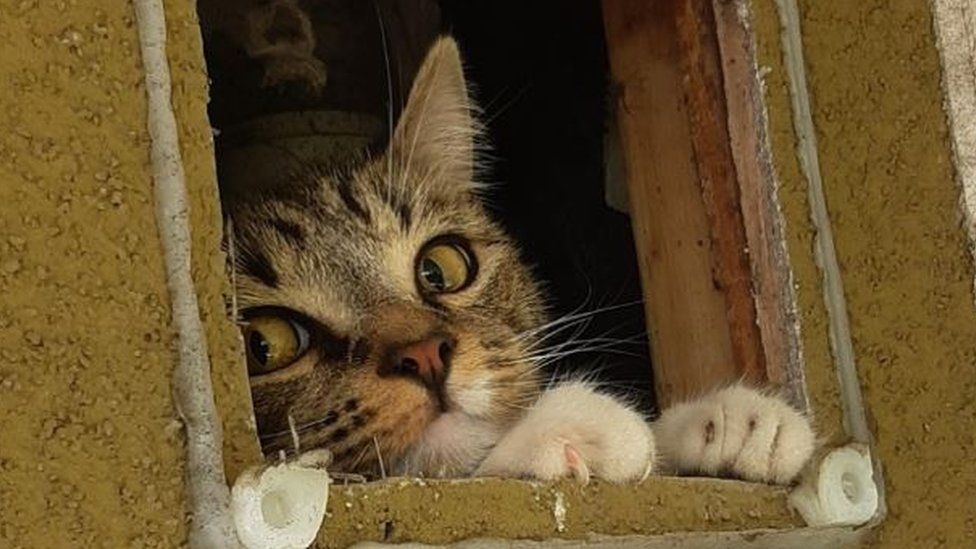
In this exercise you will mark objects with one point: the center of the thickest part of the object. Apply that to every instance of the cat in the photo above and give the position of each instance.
(390, 320)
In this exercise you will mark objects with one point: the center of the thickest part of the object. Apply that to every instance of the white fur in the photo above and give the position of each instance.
(450, 446)
(574, 430)
(475, 398)
(456, 442)
(738, 431)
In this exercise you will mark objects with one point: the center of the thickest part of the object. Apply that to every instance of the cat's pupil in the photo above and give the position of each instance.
(433, 274)
(259, 348)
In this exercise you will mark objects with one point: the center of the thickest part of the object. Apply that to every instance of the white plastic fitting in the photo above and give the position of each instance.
(282, 506)
(840, 491)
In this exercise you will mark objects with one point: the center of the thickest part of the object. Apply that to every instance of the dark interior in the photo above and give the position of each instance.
(539, 71)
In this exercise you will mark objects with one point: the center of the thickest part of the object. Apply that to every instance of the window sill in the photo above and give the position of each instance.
(401, 510)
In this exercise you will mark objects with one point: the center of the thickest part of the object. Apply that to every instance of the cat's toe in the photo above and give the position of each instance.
(736, 431)
(779, 443)
(539, 458)
(572, 430)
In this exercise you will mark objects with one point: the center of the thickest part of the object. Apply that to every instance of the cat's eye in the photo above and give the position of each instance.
(444, 267)
(273, 342)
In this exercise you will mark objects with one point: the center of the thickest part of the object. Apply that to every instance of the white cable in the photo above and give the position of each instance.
(852, 400)
(209, 496)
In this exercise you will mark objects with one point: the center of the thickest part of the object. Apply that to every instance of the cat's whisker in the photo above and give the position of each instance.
(544, 342)
(598, 340)
(551, 360)
(232, 257)
(498, 96)
(578, 327)
(295, 430)
(577, 346)
(294, 434)
(379, 457)
(516, 406)
(360, 457)
(389, 87)
(508, 104)
(576, 338)
(572, 317)
(517, 381)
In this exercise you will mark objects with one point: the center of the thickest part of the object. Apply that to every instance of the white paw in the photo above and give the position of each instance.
(735, 431)
(572, 430)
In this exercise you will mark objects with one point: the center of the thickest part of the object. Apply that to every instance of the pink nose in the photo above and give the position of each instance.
(428, 360)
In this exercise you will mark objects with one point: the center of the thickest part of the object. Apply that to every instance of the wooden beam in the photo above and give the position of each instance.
(684, 195)
(772, 285)
(704, 93)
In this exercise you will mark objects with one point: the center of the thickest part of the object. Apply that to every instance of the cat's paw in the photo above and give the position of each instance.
(735, 431)
(573, 430)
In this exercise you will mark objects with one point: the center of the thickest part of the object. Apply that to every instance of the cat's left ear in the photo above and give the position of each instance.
(436, 134)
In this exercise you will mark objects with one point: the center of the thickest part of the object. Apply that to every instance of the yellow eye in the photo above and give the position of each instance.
(445, 267)
(272, 343)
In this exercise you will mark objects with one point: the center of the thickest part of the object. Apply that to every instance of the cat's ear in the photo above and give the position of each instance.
(436, 132)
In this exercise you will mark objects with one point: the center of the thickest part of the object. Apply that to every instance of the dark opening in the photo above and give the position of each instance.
(540, 70)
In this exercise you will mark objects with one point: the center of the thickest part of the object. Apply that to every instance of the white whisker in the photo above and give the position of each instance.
(294, 435)
(379, 457)
(389, 88)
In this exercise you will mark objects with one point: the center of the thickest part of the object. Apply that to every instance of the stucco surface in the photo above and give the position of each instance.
(90, 446)
(402, 510)
(190, 97)
(821, 381)
(91, 452)
(874, 84)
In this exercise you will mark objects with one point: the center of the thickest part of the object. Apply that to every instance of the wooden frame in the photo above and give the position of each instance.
(707, 226)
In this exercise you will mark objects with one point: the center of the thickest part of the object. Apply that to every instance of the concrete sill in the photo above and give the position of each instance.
(400, 510)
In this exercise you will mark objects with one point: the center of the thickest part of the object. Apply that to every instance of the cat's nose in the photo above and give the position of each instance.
(428, 360)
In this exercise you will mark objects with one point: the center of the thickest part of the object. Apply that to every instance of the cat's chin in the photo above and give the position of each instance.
(451, 446)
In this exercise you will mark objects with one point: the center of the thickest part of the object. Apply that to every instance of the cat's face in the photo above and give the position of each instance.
(384, 312)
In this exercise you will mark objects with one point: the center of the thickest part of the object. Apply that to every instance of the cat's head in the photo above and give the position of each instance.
(384, 312)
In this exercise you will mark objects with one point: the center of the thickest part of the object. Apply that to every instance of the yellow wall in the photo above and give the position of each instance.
(874, 85)
(90, 449)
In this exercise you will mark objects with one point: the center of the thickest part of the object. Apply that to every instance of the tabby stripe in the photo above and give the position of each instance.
(405, 215)
(339, 435)
(345, 193)
(256, 264)
(289, 230)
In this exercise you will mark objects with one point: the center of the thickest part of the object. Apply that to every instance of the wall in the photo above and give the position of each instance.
(874, 84)
(91, 451)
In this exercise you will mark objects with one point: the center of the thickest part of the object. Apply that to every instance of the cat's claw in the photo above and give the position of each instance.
(576, 464)
(573, 430)
(736, 431)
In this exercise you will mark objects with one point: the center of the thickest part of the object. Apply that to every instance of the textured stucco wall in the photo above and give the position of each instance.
(398, 510)
(190, 97)
(874, 84)
(90, 448)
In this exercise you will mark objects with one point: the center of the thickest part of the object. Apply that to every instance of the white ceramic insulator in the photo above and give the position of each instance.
(281, 506)
(841, 491)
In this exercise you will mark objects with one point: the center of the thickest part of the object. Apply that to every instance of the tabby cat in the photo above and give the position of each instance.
(389, 319)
